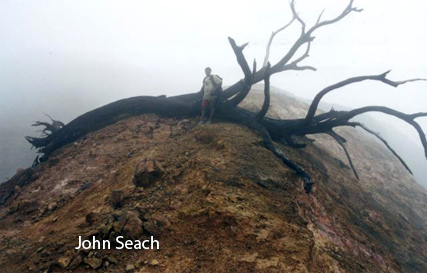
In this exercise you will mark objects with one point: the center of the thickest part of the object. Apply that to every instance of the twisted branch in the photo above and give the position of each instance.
(382, 78)
(343, 117)
(340, 140)
(273, 34)
(247, 82)
(261, 114)
(377, 135)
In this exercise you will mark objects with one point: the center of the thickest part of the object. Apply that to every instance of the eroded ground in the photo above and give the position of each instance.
(218, 202)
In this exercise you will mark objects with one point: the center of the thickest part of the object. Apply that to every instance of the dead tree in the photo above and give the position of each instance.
(269, 129)
(50, 128)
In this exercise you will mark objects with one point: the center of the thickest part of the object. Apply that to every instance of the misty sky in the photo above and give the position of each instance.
(67, 57)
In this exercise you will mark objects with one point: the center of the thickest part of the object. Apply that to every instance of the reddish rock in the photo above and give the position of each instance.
(157, 224)
(133, 228)
(147, 173)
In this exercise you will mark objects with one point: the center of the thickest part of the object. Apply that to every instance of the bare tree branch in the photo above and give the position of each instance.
(340, 141)
(254, 70)
(49, 127)
(377, 135)
(273, 34)
(305, 55)
(280, 66)
(55, 123)
(382, 78)
(291, 143)
(345, 12)
(410, 119)
(269, 144)
(320, 16)
(247, 82)
(238, 51)
(308, 181)
(306, 36)
(298, 68)
(296, 16)
(294, 64)
(261, 114)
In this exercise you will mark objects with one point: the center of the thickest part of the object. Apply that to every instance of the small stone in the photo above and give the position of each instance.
(76, 262)
(39, 249)
(42, 211)
(175, 205)
(130, 267)
(64, 262)
(154, 262)
(249, 258)
(90, 218)
(157, 224)
(17, 190)
(117, 198)
(52, 206)
(106, 263)
(112, 260)
(93, 262)
(178, 165)
(14, 207)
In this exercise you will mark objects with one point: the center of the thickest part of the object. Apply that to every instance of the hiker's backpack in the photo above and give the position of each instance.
(218, 88)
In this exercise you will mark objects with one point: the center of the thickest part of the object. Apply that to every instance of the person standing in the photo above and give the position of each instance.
(212, 86)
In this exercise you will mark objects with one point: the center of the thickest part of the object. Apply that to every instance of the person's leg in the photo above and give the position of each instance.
(212, 112)
(202, 117)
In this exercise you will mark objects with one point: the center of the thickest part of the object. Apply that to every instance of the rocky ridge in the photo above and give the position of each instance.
(216, 200)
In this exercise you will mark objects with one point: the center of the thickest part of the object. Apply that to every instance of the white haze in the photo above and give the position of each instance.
(67, 57)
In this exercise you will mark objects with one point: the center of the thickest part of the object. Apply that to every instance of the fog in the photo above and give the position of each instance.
(64, 58)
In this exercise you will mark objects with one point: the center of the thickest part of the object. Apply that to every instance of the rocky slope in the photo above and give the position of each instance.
(216, 200)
